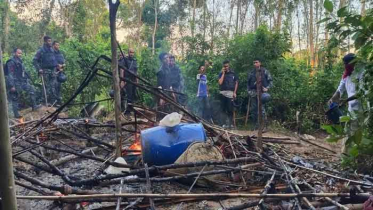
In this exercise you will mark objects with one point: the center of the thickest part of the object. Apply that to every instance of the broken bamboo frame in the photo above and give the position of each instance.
(201, 195)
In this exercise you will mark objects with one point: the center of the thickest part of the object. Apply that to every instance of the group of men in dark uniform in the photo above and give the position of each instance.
(49, 63)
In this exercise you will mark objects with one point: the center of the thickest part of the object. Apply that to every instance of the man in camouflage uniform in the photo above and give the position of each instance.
(45, 63)
(18, 81)
(60, 67)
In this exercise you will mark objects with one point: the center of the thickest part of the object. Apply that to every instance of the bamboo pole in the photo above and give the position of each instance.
(200, 195)
(259, 90)
(113, 8)
(7, 187)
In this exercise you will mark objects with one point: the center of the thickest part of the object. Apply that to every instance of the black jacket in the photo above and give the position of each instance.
(266, 79)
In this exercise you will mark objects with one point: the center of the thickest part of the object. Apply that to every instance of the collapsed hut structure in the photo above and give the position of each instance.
(68, 163)
(65, 163)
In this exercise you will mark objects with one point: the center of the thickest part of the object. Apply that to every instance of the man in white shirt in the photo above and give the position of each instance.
(350, 84)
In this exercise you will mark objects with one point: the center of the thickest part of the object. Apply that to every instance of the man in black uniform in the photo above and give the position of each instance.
(176, 79)
(131, 65)
(228, 82)
(45, 63)
(18, 81)
(60, 67)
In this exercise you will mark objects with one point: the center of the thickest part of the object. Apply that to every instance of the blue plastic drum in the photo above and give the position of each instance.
(163, 145)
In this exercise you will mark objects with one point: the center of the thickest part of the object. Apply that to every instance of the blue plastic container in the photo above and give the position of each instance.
(163, 145)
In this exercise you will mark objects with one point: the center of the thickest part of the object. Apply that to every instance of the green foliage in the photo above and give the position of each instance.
(358, 128)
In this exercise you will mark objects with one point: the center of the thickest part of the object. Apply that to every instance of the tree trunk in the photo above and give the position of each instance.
(317, 33)
(279, 15)
(193, 25)
(47, 16)
(5, 27)
(230, 21)
(155, 25)
(213, 26)
(238, 14)
(113, 8)
(204, 24)
(7, 187)
(139, 24)
(299, 35)
(257, 14)
(312, 50)
(362, 11)
(243, 16)
(307, 29)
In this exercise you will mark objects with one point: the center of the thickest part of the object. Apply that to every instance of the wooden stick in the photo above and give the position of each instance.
(299, 191)
(148, 186)
(259, 90)
(266, 188)
(328, 199)
(330, 175)
(248, 110)
(201, 195)
(317, 145)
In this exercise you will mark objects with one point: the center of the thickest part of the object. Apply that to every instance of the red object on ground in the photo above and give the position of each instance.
(368, 205)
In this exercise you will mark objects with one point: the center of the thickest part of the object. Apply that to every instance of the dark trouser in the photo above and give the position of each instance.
(131, 93)
(14, 96)
(204, 107)
(265, 99)
(227, 109)
(58, 93)
(51, 85)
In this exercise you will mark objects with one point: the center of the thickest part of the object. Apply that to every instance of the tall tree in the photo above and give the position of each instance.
(312, 50)
(238, 14)
(362, 10)
(279, 14)
(257, 13)
(193, 23)
(155, 25)
(5, 24)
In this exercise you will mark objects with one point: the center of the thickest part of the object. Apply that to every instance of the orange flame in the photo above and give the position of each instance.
(136, 146)
(21, 120)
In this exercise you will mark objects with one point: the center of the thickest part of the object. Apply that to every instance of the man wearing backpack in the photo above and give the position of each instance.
(45, 63)
(18, 81)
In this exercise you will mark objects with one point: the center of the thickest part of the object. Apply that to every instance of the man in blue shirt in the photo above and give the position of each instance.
(202, 94)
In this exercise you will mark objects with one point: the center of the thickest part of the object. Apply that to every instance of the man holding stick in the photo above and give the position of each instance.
(266, 81)
(45, 63)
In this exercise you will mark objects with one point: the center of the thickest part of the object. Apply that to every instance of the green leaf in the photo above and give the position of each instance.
(328, 129)
(344, 119)
(354, 151)
(342, 12)
(360, 41)
(328, 5)
(353, 20)
(323, 20)
(333, 139)
(358, 136)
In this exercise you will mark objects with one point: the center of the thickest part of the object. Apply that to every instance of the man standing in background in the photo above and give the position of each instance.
(228, 82)
(61, 77)
(266, 80)
(18, 81)
(131, 65)
(45, 63)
